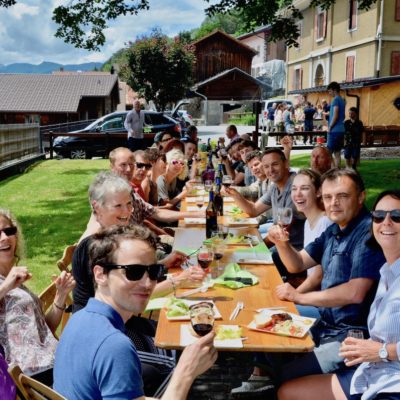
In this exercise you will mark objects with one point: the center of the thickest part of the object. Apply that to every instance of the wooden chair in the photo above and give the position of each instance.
(66, 259)
(31, 389)
(47, 299)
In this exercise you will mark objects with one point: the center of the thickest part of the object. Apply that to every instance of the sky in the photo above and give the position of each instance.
(27, 30)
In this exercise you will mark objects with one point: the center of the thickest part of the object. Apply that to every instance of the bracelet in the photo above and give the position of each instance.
(60, 308)
(172, 283)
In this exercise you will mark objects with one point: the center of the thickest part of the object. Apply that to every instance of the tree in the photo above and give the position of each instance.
(82, 22)
(159, 69)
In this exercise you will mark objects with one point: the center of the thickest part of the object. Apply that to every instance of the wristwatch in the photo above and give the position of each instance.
(383, 354)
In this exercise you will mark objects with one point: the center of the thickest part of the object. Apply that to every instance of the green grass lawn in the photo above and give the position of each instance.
(50, 202)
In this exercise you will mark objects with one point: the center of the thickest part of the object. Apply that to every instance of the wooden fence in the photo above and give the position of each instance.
(18, 142)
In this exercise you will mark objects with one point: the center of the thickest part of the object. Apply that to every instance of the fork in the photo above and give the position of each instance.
(236, 311)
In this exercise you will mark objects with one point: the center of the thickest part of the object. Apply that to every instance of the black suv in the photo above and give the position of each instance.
(111, 124)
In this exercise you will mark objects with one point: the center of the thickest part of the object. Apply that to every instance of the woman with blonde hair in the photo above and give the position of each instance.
(168, 183)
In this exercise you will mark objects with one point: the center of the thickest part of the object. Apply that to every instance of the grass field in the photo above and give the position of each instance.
(50, 202)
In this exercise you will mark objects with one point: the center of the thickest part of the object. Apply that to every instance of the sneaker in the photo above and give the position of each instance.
(254, 386)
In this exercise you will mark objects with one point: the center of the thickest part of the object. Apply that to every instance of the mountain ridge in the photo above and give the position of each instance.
(46, 67)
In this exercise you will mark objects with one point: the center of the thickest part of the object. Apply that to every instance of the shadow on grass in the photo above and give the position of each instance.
(92, 171)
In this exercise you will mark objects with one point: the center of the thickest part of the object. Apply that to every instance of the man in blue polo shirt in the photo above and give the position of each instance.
(95, 359)
(350, 275)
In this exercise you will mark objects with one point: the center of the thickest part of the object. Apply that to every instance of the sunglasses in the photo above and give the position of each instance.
(176, 162)
(135, 272)
(143, 165)
(378, 216)
(10, 231)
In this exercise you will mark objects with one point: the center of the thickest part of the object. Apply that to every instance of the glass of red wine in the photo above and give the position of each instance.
(219, 252)
(202, 317)
(200, 201)
(227, 181)
(205, 257)
(284, 217)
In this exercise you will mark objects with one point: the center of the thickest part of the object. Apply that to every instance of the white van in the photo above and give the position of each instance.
(264, 110)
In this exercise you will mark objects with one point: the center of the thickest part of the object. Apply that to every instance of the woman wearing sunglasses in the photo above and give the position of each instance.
(26, 334)
(168, 183)
(158, 161)
(377, 359)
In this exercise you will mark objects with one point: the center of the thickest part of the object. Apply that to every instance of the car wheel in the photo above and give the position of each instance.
(79, 154)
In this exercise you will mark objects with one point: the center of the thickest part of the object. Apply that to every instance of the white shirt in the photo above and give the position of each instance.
(134, 124)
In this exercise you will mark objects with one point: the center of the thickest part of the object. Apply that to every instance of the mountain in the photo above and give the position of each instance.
(46, 67)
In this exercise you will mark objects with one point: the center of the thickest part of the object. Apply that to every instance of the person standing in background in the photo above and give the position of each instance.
(134, 122)
(354, 129)
(336, 123)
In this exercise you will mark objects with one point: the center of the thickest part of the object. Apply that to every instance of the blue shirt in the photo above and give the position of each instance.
(95, 360)
(383, 326)
(271, 113)
(339, 125)
(344, 255)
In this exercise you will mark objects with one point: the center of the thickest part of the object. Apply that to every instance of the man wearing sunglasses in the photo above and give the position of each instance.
(350, 274)
(142, 166)
(95, 359)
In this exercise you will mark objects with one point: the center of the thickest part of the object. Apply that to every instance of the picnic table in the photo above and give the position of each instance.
(261, 295)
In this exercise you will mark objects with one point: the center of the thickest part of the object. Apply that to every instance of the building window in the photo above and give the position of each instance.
(319, 76)
(353, 14)
(320, 23)
(397, 11)
(395, 63)
(350, 60)
(298, 78)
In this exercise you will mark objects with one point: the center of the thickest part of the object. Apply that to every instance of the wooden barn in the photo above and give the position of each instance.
(218, 52)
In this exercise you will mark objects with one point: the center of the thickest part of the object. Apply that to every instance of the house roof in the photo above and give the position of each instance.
(233, 88)
(218, 32)
(357, 84)
(257, 30)
(51, 93)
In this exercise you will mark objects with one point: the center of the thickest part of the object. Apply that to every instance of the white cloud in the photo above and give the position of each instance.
(27, 30)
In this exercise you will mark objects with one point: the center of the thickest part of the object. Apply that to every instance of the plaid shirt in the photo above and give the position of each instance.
(343, 256)
(141, 210)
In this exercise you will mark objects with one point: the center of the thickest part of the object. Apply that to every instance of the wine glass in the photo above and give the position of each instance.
(208, 184)
(202, 317)
(219, 252)
(225, 231)
(199, 201)
(355, 333)
(217, 236)
(227, 181)
(284, 217)
(205, 257)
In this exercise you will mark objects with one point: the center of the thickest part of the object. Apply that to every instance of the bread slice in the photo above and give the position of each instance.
(262, 320)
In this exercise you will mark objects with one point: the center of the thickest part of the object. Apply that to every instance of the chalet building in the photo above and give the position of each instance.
(57, 98)
(360, 49)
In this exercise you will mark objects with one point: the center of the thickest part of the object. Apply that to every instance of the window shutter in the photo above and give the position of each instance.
(325, 23)
(395, 63)
(316, 23)
(301, 78)
(350, 68)
(397, 10)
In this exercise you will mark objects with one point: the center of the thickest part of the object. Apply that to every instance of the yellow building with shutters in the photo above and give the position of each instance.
(360, 49)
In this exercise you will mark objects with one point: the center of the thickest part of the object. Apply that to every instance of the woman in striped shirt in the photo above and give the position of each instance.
(377, 359)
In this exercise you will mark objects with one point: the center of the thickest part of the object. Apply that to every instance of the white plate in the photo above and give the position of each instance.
(195, 221)
(195, 208)
(229, 199)
(188, 336)
(193, 199)
(252, 257)
(304, 323)
(186, 317)
(241, 221)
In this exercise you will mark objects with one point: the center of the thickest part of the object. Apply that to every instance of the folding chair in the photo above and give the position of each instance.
(31, 389)
(66, 259)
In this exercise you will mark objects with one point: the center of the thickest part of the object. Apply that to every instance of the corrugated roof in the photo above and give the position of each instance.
(51, 93)
(357, 84)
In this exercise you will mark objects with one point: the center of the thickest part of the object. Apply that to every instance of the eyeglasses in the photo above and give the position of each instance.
(143, 165)
(378, 216)
(10, 231)
(175, 162)
(135, 272)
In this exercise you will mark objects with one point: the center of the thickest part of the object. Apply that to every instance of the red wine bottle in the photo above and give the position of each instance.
(211, 216)
(218, 200)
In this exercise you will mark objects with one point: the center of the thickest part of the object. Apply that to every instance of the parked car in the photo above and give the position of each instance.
(86, 147)
(264, 110)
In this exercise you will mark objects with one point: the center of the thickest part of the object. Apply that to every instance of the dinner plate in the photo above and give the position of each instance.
(186, 317)
(188, 336)
(252, 257)
(195, 221)
(301, 324)
(193, 199)
(195, 208)
(232, 221)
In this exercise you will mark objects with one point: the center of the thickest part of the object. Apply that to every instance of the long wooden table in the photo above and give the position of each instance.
(254, 297)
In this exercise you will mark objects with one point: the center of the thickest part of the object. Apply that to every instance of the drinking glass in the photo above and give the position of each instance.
(202, 317)
(205, 257)
(225, 231)
(227, 181)
(356, 333)
(284, 217)
(217, 236)
(208, 184)
(200, 201)
(219, 252)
